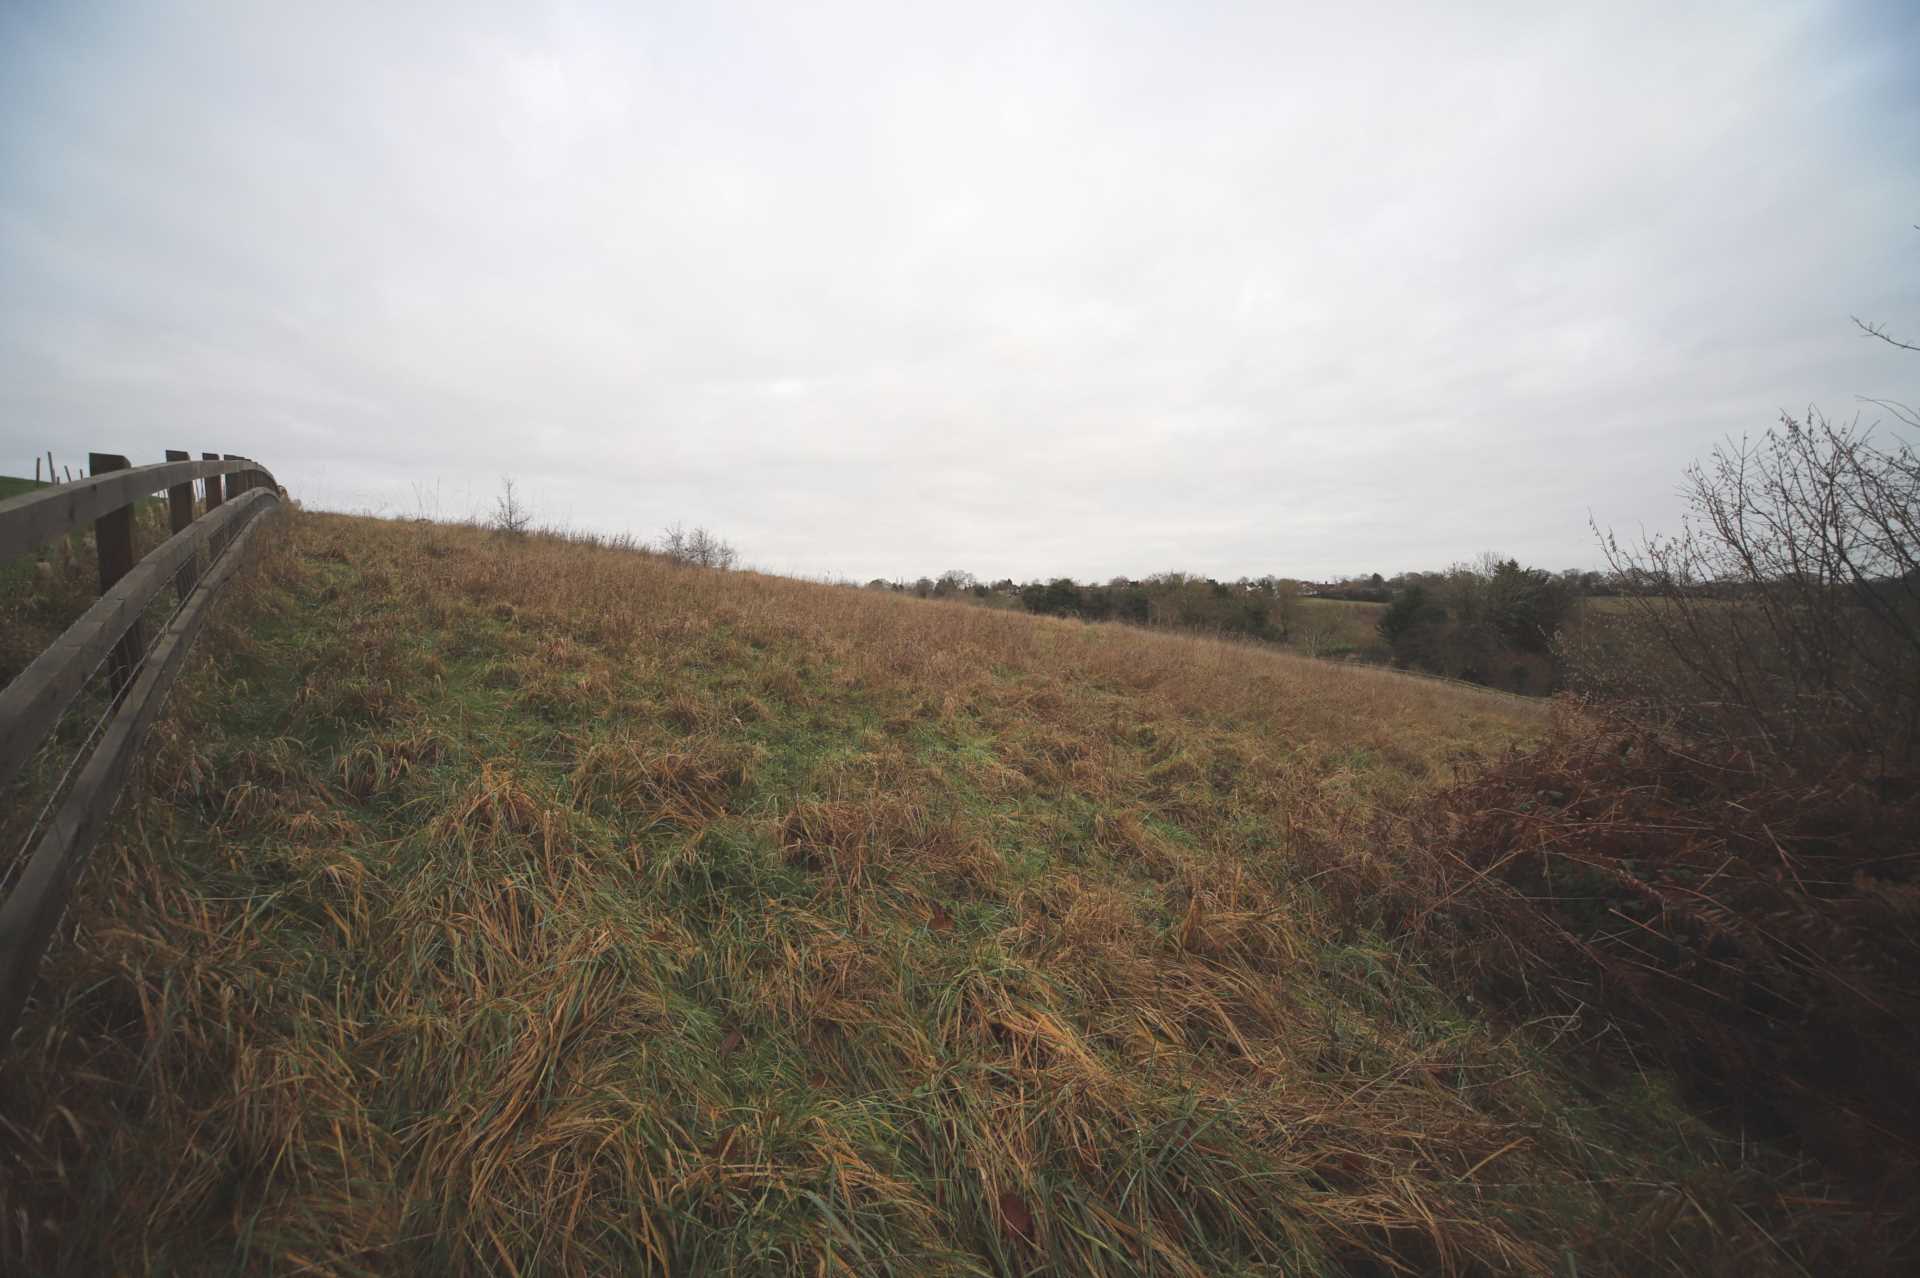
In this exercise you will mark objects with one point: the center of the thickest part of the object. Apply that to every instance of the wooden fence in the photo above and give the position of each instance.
(110, 638)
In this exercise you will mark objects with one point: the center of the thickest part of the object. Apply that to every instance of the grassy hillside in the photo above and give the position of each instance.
(526, 907)
(13, 486)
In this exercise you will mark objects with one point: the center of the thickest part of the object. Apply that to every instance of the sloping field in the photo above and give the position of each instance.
(533, 907)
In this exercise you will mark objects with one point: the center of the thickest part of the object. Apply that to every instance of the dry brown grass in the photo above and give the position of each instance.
(532, 907)
(1753, 927)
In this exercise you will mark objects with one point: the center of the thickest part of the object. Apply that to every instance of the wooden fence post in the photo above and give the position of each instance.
(113, 539)
(213, 486)
(180, 510)
(234, 486)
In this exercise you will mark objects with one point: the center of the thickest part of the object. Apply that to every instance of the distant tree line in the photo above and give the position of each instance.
(1492, 621)
(1373, 588)
(1175, 599)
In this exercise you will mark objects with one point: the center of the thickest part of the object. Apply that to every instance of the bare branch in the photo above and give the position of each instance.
(1880, 331)
(1788, 610)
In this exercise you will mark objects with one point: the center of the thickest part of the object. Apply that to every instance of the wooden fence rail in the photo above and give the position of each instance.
(238, 491)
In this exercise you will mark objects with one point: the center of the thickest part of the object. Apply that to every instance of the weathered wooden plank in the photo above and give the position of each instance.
(38, 695)
(34, 518)
(33, 909)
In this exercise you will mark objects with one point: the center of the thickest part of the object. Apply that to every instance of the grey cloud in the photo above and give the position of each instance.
(1028, 289)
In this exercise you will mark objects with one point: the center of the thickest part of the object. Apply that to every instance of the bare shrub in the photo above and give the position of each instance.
(1757, 933)
(1712, 865)
(510, 515)
(700, 548)
(1786, 614)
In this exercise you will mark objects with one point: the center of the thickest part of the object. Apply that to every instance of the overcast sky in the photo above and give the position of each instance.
(1033, 289)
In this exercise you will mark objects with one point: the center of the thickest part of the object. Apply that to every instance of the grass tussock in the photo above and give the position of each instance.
(512, 906)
